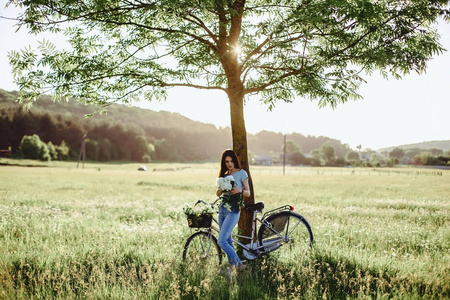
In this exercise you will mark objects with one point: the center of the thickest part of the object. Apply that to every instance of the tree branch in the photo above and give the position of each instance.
(202, 25)
(202, 87)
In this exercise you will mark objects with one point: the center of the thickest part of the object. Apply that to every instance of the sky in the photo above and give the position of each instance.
(392, 112)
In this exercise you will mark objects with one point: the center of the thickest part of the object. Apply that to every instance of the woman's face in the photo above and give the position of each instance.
(229, 163)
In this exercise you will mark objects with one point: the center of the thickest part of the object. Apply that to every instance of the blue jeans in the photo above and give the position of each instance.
(227, 221)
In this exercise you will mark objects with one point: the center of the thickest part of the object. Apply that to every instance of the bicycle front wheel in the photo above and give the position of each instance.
(287, 229)
(202, 248)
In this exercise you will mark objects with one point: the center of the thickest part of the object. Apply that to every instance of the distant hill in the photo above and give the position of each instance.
(176, 137)
(117, 134)
(443, 145)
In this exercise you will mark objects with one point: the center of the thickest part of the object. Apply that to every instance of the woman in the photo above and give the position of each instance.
(228, 219)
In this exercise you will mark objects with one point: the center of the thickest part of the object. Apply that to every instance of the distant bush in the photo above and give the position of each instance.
(33, 148)
(298, 158)
(52, 151)
(63, 151)
(146, 159)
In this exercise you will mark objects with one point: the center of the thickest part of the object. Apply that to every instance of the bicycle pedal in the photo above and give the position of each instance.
(250, 255)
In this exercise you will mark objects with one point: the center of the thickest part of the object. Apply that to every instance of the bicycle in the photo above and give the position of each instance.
(278, 227)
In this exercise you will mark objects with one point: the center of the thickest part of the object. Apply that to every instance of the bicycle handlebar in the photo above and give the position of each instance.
(200, 201)
(206, 203)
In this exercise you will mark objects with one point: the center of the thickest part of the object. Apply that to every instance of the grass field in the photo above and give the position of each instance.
(111, 232)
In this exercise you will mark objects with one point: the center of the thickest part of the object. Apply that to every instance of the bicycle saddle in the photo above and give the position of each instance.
(255, 207)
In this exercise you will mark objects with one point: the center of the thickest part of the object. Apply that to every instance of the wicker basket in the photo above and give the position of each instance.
(199, 221)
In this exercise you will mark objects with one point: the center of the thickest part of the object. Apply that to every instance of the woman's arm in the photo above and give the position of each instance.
(219, 192)
(246, 189)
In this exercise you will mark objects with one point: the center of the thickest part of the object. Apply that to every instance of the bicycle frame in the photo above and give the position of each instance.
(253, 248)
(274, 231)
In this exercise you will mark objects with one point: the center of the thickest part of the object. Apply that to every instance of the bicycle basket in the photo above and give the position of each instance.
(199, 220)
(278, 225)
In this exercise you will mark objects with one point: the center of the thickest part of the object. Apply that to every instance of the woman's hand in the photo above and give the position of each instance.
(235, 190)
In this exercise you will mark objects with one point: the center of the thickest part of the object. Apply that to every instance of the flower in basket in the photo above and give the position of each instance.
(189, 210)
(229, 201)
(198, 217)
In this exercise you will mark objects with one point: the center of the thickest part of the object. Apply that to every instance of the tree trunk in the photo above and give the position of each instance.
(240, 147)
(235, 91)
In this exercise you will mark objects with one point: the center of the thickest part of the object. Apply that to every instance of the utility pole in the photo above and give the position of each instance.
(82, 151)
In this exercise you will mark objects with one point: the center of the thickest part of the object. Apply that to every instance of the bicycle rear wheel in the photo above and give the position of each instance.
(284, 228)
(202, 248)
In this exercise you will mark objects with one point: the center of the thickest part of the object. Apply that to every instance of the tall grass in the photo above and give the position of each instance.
(112, 232)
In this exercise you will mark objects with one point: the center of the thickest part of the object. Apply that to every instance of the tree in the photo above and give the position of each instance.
(91, 149)
(291, 147)
(412, 152)
(293, 152)
(417, 160)
(7, 132)
(436, 151)
(397, 153)
(353, 156)
(428, 158)
(276, 49)
(298, 158)
(107, 151)
(443, 160)
(339, 148)
(32, 147)
(375, 159)
(52, 151)
(316, 158)
(329, 154)
(140, 148)
(63, 150)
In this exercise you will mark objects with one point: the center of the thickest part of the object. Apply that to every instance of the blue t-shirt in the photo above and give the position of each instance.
(239, 177)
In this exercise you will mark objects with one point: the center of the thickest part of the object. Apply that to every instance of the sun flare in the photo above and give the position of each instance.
(237, 49)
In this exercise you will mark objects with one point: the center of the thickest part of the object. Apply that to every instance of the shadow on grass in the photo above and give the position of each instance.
(129, 275)
(320, 275)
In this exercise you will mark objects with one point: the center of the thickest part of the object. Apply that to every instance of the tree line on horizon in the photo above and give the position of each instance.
(55, 131)
(123, 134)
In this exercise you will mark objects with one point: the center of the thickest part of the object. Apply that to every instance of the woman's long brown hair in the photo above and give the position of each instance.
(234, 158)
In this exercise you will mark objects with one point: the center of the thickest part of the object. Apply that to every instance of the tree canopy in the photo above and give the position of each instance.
(275, 49)
(280, 49)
